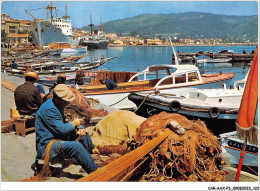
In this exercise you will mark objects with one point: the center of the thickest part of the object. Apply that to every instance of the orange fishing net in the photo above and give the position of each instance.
(191, 156)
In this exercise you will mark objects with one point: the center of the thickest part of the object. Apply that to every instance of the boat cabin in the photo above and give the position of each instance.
(156, 76)
(58, 45)
(168, 75)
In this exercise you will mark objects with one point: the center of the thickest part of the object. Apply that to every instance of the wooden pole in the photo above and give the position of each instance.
(242, 156)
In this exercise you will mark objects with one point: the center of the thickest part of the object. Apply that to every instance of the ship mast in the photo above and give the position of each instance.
(51, 8)
(101, 26)
(91, 25)
(66, 17)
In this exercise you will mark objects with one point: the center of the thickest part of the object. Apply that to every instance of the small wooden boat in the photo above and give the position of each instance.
(232, 146)
(171, 79)
(67, 48)
(205, 59)
(54, 52)
(49, 80)
(53, 67)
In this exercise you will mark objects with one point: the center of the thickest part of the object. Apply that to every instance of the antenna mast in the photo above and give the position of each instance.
(174, 53)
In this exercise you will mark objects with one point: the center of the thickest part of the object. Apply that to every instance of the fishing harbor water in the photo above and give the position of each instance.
(137, 58)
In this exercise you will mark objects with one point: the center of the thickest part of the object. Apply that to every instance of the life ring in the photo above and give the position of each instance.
(175, 106)
(214, 112)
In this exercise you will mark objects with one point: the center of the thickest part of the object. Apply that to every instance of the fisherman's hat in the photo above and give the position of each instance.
(61, 78)
(32, 74)
(63, 92)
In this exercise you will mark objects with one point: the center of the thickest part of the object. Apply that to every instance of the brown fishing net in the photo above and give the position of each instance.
(84, 103)
(190, 153)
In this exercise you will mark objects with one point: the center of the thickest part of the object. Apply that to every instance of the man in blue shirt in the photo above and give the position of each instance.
(110, 84)
(50, 125)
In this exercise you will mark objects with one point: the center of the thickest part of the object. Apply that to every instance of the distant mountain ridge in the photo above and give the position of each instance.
(186, 25)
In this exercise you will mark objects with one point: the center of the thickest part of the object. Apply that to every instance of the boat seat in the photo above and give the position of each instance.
(24, 124)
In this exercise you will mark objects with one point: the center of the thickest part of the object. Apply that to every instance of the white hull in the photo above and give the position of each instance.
(211, 60)
(112, 98)
(207, 103)
(74, 50)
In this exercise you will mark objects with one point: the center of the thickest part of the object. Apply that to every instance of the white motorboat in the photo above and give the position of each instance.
(171, 79)
(205, 59)
(202, 103)
(75, 50)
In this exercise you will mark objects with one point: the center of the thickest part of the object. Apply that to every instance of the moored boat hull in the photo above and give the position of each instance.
(232, 146)
(119, 100)
(95, 44)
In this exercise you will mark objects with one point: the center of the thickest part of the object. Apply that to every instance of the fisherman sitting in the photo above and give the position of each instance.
(61, 79)
(27, 96)
(14, 65)
(111, 84)
(79, 80)
(51, 128)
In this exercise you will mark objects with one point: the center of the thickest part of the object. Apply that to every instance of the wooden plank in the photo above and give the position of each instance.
(120, 165)
(120, 85)
(8, 85)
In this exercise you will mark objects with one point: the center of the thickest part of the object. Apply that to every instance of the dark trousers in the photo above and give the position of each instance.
(79, 150)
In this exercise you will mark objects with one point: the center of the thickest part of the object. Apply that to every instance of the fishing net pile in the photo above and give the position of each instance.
(86, 103)
(81, 107)
(190, 153)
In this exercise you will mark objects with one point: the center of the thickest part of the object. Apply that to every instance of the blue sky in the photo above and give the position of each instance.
(79, 11)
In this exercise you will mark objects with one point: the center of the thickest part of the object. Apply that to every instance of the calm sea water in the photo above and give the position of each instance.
(138, 58)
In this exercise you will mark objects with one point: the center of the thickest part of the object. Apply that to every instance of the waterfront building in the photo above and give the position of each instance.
(111, 35)
(10, 25)
(153, 42)
(25, 25)
(17, 38)
(118, 42)
(186, 41)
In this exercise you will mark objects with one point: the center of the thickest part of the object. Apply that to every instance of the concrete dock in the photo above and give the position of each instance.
(18, 153)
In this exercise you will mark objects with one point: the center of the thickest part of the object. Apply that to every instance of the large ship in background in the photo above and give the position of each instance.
(60, 29)
(54, 30)
(96, 39)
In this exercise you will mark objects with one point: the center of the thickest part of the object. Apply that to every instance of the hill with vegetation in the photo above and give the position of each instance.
(186, 25)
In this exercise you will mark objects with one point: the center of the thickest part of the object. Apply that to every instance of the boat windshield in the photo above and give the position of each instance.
(157, 73)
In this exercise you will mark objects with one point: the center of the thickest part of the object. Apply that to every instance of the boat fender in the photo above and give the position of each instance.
(175, 106)
(224, 86)
(214, 112)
